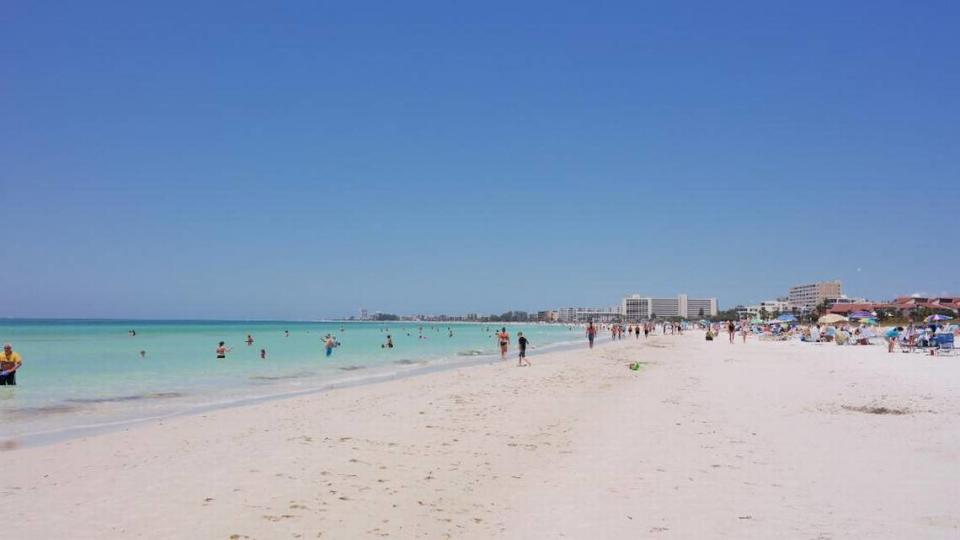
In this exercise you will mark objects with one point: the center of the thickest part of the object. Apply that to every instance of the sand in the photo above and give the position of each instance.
(707, 440)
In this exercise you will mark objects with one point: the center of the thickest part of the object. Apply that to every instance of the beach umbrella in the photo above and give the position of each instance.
(862, 315)
(937, 318)
(832, 318)
(786, 317)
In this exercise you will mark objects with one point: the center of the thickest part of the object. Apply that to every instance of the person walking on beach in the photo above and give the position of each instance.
(731, 330)
(504, 338)
(591, 333)
(744, 328)
(222, 350)
(522, 343)
(10, 362)
(892, 335)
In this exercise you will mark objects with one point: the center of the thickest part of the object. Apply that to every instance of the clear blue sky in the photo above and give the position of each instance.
(237, 160)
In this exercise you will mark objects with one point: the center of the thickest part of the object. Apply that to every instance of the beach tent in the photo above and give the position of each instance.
(832, 318)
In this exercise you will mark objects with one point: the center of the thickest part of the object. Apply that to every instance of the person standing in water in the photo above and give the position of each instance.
(591, 333)
(249, 340)
(263, 354)
(504, 338)
(222, 350)
(522, 343)
(329, 345)
(388, 344)
(10, 362)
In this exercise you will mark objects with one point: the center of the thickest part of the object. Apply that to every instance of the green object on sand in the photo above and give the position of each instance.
(635, 366)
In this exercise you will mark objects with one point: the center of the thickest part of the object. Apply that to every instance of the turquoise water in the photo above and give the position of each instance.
(80, 376)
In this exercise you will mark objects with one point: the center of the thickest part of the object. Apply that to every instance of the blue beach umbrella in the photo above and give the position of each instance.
(937, 318)
(786, 317)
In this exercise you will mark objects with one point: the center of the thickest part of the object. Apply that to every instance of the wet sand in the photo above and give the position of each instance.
(706, 440)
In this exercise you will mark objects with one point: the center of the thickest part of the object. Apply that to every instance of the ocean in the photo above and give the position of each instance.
(84, 376)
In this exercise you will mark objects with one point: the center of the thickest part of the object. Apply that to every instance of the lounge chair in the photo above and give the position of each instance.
(945, 345)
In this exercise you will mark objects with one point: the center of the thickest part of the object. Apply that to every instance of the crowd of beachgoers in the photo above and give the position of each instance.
(934, 335)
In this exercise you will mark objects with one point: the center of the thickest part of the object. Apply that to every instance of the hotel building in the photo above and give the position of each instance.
(639, 308)
(807, 297)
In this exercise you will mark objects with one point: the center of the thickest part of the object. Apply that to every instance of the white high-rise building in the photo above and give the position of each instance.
(639, 308)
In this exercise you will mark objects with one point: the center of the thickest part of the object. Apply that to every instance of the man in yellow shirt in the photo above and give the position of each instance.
(10, 362)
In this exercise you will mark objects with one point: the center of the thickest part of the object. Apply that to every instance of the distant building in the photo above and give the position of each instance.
(843, 299)
(585, 314)
(905, 306)
(364, 315)
(806, 297)
(639, 308)
(769, 308)
(548, 316)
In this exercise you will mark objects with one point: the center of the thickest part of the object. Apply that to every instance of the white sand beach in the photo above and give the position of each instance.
(707, 440)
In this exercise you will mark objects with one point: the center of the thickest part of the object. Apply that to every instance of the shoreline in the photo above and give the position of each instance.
(377, 375)
(707, 439)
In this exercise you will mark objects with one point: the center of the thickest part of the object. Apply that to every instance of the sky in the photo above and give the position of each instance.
(308, 159)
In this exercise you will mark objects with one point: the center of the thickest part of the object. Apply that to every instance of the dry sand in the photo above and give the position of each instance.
(708, 440)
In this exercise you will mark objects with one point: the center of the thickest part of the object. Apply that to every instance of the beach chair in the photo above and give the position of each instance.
(945, 345)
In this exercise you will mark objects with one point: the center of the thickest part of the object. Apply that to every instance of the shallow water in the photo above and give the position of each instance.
(80, 376)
